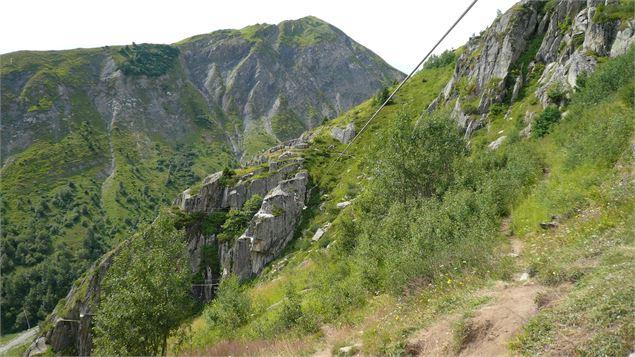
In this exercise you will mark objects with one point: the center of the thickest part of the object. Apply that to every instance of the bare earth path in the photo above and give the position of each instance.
(490, 328)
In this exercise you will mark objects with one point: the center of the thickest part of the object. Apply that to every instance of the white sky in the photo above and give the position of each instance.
(399, 31)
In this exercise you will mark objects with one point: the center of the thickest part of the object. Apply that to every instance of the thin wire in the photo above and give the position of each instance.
(403, 82)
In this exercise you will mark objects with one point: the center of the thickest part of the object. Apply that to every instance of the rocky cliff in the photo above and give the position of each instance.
(553, 41)
(278, 177)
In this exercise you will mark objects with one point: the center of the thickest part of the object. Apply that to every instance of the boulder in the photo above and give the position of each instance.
(343, 205)
(318, 234)
(496, 143)
(344, 135)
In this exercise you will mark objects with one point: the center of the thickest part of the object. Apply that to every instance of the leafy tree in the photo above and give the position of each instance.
(231, 308)
(381, 97)
(418, 161)
(145, 293)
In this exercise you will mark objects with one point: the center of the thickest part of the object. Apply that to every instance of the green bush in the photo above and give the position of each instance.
(381, 97)
(145, 293)
(556, 93)
(231, 308)
(620, 10)
(546, 119)
(238, 220)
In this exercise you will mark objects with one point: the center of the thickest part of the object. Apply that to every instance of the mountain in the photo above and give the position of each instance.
(477, 211)
(95, 140)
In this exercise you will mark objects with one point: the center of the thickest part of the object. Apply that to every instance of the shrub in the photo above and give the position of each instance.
(231, 308)
(238, 220)
(556, 93)
(546, 119)
(145, 294)
(381, 97)
(436, 61)
(291, 310)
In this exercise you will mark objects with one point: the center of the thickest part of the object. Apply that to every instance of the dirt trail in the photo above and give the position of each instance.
(489, 329)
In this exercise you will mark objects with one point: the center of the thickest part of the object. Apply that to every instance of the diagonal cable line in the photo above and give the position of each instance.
(403, 82)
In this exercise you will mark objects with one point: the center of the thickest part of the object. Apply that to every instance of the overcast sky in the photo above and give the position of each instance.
(399, 31)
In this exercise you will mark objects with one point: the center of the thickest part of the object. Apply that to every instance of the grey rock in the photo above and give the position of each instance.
(549, 225)
(599, 36)
(525, 132)
(269, 231)
(343, 205)
(458, 115)
(211, 196)
(348, 350)
(38, 347)
(517, 87)
(489, 58)
(564, 74)
(472, 126)
(624, 39)
(286, 154)
(318, 234)
(344, 135)
(497, 143)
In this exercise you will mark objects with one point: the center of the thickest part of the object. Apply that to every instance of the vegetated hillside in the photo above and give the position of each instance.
(423, 231)
(413, 253)
(95, 140)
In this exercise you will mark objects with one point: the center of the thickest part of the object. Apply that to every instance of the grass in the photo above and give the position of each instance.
(16, 351)
(597, 315)
(593, 249)
(8, 337)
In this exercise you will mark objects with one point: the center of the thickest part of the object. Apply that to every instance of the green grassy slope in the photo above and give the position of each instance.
(385, 269)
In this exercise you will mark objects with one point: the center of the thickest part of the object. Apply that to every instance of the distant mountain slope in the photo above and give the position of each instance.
(93, 140)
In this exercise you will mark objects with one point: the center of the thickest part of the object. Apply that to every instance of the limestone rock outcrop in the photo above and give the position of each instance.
(344, 135)
(270, 230)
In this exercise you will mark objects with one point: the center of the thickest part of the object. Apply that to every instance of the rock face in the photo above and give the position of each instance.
(270, 230)
(489, 57)
(624, 39)
(557, 43)
(70, 324)
(572, 42)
